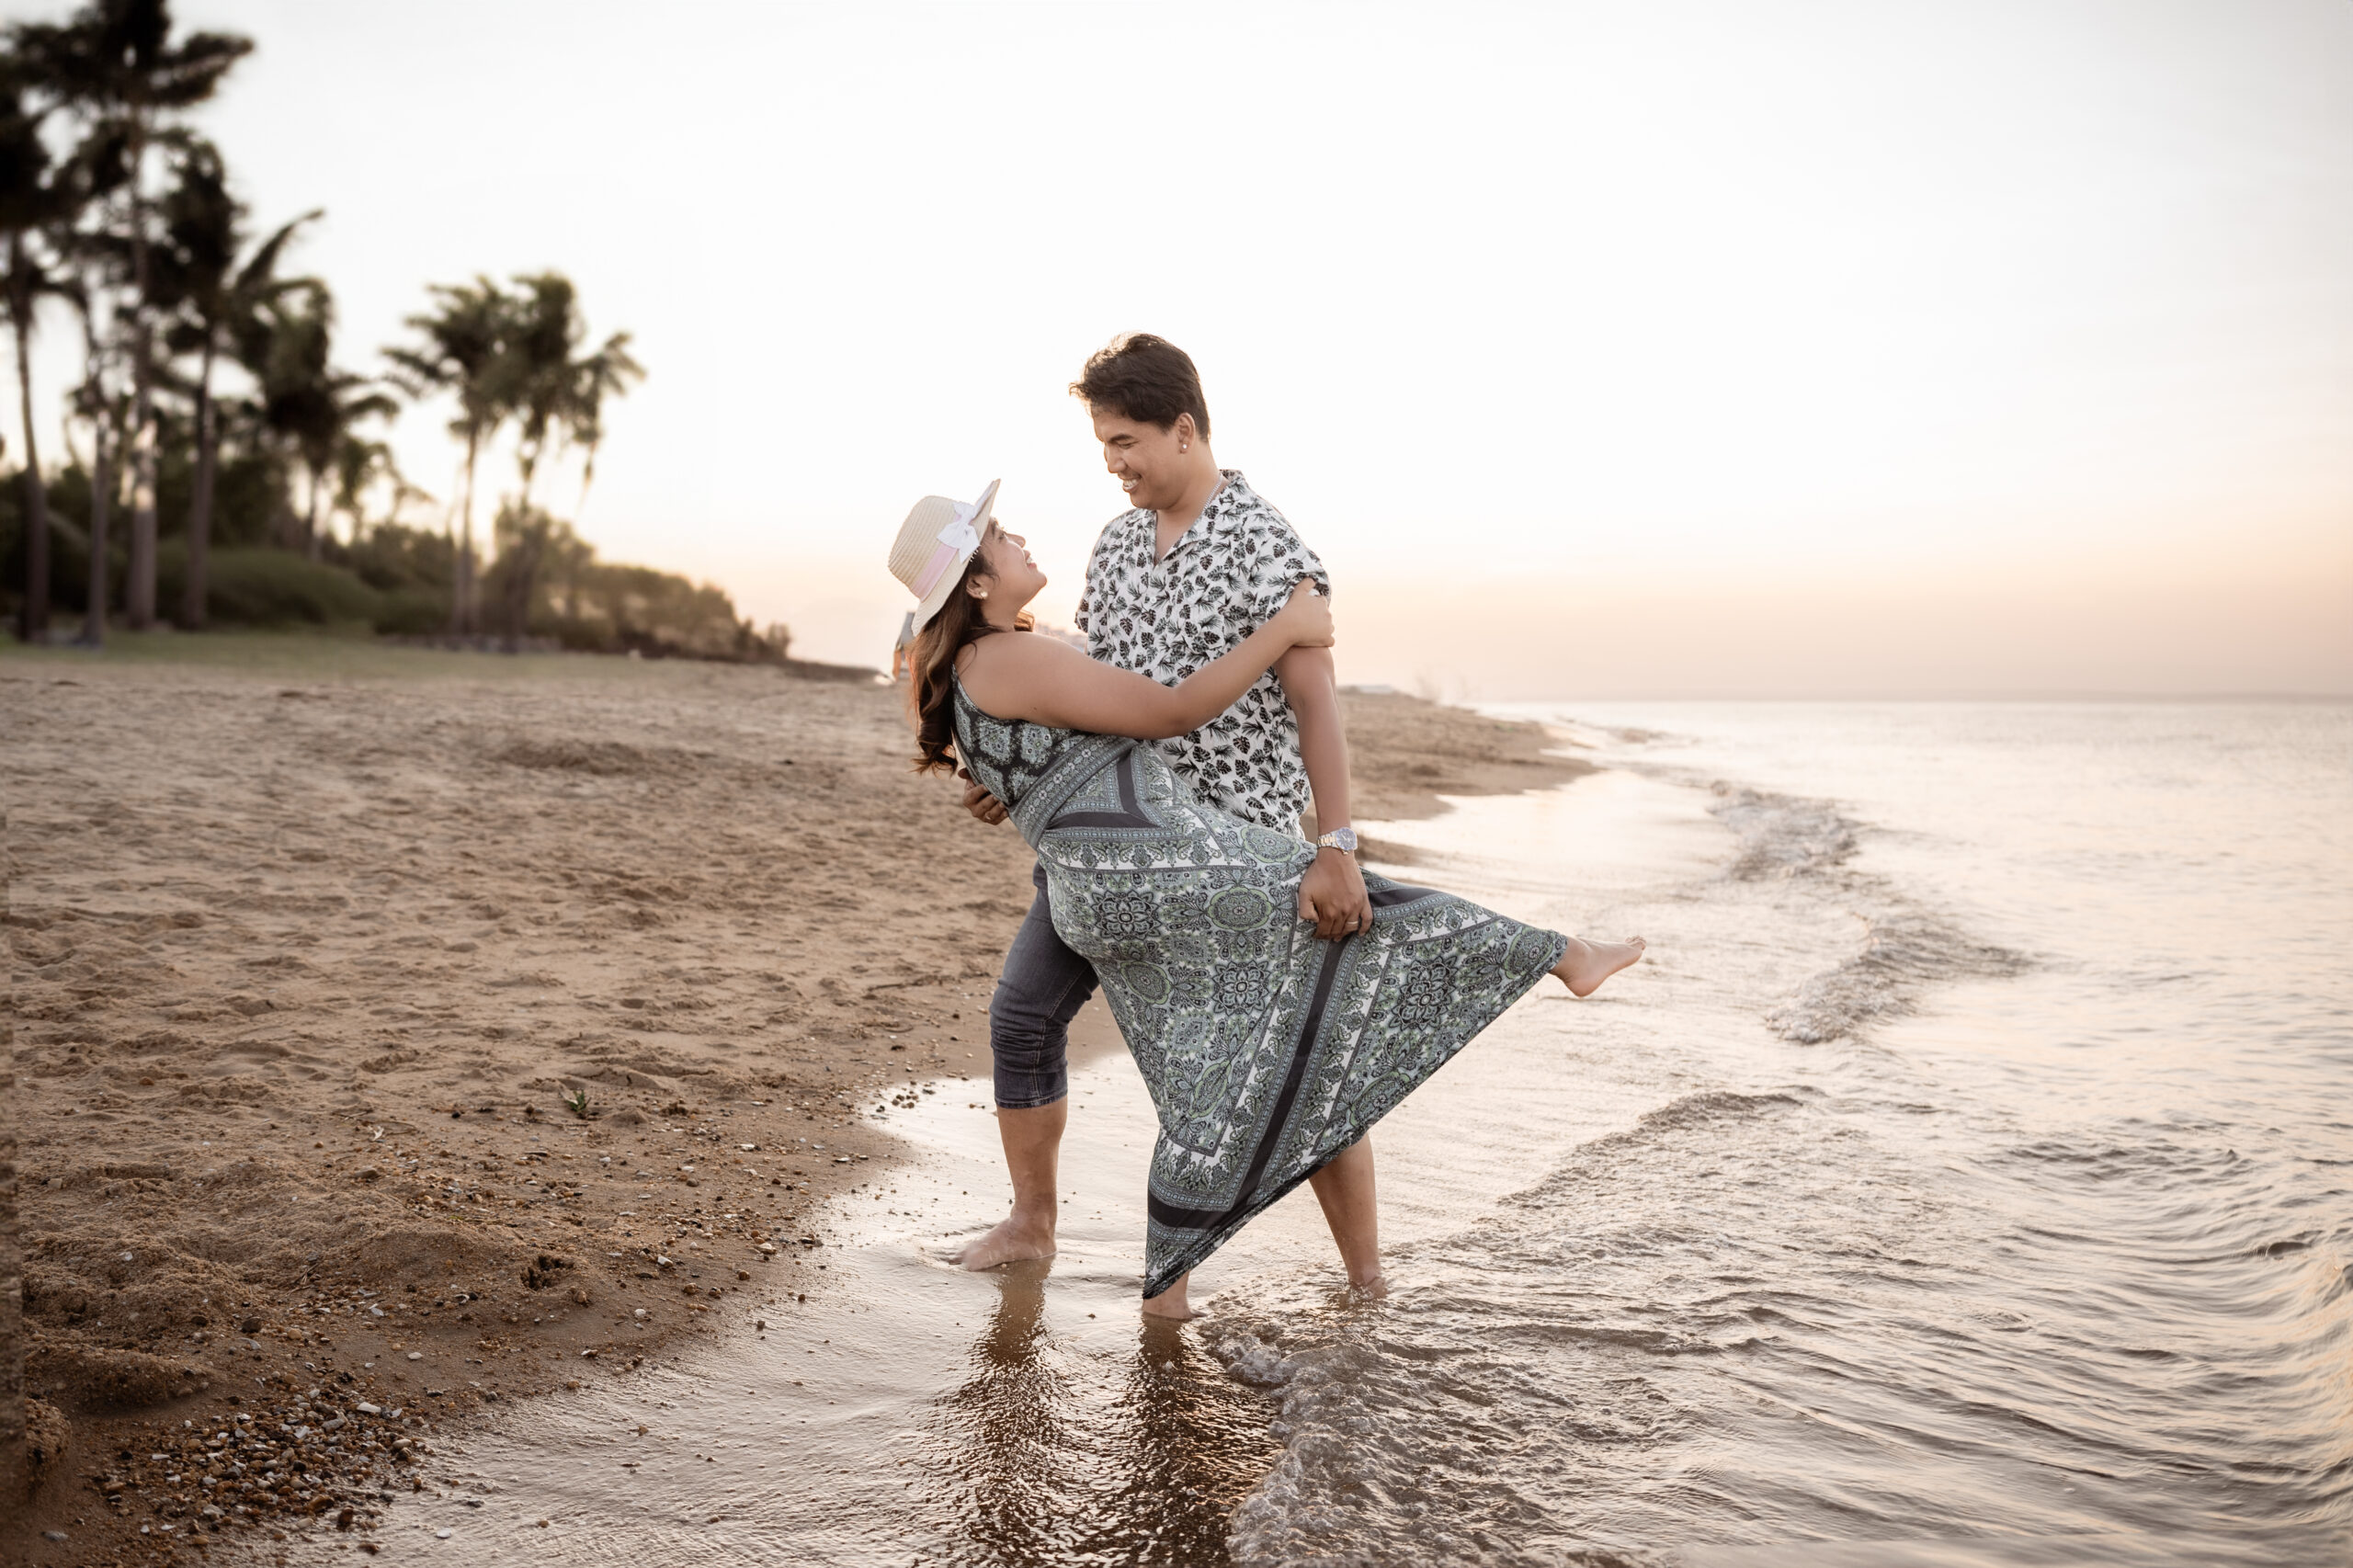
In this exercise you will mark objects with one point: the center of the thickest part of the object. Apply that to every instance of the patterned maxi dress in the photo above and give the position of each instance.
(1267, 1051)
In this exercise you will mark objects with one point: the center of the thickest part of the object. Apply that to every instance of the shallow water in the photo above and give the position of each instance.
(1970, 1167)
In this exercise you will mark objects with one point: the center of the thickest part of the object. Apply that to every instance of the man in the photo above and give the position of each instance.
(1197, 564)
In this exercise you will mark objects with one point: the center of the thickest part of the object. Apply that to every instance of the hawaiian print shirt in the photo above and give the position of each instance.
(1224, 577)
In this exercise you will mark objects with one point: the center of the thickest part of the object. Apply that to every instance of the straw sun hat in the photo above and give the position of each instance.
(935, 541)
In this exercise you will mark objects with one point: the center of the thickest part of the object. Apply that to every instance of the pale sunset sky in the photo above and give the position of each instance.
(1689, 347)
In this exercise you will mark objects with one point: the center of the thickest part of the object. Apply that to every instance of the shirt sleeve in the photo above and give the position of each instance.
(1278, 564)
(1092, 589)
(1079, 617)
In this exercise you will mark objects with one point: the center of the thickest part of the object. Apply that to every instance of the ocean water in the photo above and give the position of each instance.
(1966, 1177)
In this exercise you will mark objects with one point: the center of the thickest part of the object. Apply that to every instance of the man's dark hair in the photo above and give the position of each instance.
(1146, 378)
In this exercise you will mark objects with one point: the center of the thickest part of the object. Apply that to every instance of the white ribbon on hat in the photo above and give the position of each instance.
(959, 534)
(956, 540)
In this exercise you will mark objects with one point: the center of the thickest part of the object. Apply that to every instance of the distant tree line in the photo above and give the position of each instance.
(216, 462)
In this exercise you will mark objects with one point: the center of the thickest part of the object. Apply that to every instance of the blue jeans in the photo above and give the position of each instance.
(1042, 988)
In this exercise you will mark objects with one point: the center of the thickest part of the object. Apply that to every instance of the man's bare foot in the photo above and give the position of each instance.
(1586, 964)
(1013, 1239)
(1170, 1304)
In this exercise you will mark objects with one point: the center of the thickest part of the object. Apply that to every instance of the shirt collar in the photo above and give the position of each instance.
(1224, 502)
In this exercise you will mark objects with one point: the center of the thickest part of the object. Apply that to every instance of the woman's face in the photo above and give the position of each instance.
(1013, 579)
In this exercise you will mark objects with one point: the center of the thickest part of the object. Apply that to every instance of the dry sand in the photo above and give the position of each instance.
(317, 949)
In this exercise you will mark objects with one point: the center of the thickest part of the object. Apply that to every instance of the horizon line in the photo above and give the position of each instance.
(2312, 697)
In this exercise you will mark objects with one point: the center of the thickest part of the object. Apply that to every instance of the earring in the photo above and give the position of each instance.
(980, 596)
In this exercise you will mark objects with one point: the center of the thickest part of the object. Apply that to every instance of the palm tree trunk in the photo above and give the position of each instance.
(139, 581)
(139, 588)
(462, 611)
(284, 525)
(199, 506)
(312, 542)
(522, 565)
(32, 621)
(588, 477)
(93, 619)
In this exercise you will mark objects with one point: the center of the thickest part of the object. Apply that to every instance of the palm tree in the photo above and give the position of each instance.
(198, 272)
(115, 60)
(347, 463)
(359, 464)
(331, 445)
(282, 346)
(571, 557)
(556, 397)
(36, 199)
(460, 350)
(310, 405)
(526, 537)
(96, 401)
(535, 368)
(609, 372)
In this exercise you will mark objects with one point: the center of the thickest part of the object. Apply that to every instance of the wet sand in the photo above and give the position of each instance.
(907, 1412)
(401, 1034)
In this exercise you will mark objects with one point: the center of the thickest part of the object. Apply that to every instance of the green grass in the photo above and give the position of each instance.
(347, 652)
(352, 652)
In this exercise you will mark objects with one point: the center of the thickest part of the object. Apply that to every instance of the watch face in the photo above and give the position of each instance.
(1343, 839)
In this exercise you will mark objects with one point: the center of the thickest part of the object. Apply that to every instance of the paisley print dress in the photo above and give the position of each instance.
(1267, 1051)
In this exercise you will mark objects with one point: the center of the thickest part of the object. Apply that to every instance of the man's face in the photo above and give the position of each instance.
(1144, 458)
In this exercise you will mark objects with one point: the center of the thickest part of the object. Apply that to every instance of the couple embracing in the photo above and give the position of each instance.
(1278, 1000)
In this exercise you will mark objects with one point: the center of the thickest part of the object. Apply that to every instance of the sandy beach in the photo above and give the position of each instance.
(401, 1033)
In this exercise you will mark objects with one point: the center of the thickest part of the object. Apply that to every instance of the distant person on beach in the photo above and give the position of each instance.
(1229, 1004)
(903, 651)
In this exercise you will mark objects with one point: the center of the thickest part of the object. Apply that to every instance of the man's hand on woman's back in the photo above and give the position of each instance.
(980, 803)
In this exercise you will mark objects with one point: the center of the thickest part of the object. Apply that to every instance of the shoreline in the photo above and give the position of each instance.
(309, 968)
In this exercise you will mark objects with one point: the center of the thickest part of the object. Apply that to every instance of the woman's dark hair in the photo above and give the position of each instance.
(1146, 378)
(931, 691)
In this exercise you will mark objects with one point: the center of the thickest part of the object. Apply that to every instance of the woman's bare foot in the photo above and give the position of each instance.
(1586, 964)
(1373, 1290)
(1013, 1239)
(1170, 1304)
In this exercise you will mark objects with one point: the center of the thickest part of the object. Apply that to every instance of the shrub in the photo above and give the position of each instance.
(413, 612)
(268, 587)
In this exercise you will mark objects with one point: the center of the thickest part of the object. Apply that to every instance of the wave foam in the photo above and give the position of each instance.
(1790, 838)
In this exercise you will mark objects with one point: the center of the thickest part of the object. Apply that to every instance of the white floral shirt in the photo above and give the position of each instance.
(1224, 577)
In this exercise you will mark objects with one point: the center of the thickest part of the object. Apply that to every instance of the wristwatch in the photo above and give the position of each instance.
(1343, 839)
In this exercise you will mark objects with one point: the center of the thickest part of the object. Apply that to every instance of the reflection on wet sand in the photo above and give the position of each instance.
(1046, 1454)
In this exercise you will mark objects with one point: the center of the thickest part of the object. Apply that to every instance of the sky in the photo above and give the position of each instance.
(1787, 347)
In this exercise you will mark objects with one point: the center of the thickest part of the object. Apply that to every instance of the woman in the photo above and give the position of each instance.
(1268, 1051)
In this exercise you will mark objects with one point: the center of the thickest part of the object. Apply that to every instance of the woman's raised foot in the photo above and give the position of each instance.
(1586, 964)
